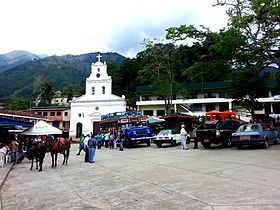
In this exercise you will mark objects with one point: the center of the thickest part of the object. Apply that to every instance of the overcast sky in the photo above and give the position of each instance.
(81, 26)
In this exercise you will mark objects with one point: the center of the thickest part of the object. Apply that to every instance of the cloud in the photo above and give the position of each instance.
(76, 27)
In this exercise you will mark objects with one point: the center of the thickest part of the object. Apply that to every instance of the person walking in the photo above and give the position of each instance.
(81, 146)
(184, 136)
(120, 138)
(91, 149)
(98, 140)
(13, 148)
(115, 139)
(112, 139)
(86, 147)
(107, 139)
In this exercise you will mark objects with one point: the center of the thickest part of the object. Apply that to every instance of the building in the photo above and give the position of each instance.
(59, 99)
(86, 111)
(57, 116)
(205, 97)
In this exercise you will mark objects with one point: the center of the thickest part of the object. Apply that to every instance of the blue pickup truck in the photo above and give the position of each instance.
(138, 134)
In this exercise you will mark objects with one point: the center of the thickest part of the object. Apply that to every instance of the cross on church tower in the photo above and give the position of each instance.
(98, 57)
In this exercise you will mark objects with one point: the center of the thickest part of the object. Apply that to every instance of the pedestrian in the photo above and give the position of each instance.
(91, 147)
(81, 146)
(120, 138)
(98, 140)
(112, 139)
(13, 149)
(86, 147)
(184, 136)
(107, 139)
(115, 139)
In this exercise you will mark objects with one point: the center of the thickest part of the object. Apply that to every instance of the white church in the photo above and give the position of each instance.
(87, 109)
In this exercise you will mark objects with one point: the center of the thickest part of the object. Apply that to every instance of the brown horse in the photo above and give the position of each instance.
(36, 151)
(58, 145)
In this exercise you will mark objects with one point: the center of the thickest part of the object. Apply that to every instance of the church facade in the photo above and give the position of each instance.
(98, 100)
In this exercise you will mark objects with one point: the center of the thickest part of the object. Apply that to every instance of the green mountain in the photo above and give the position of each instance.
(61, 71)
(15, 58)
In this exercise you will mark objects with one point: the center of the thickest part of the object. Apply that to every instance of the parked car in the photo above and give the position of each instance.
(216, 132)
(169, 136)
(255, 134)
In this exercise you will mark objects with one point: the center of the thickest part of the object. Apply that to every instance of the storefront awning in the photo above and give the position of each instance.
(14, 124)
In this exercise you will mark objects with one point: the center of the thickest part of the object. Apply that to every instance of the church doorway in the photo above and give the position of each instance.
(79, 130)
(96, 127)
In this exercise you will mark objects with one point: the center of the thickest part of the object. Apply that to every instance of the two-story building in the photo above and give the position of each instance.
(204, 97)
(58, 117)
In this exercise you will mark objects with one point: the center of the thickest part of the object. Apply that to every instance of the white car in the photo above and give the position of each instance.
(170, 136)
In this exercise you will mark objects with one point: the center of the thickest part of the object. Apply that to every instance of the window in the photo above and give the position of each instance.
(39, 113)
(65, 114)
(210, 107)
(98, 69)
(55, 124)
(148, 112)
(196, 107)
(45, 113)
(103, 90)
(58, 114)
(222, 95)
(193, 95)
(160, 112)
(92, 90)
(52, 113)
(209, 95)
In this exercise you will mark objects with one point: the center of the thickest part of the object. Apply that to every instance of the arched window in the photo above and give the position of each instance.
(92, 90)
(103, 90)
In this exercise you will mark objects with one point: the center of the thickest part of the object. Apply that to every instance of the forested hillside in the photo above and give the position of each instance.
(62, 72)
(15, 58)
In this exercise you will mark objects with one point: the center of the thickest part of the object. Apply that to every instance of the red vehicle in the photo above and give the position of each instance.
(217, 115)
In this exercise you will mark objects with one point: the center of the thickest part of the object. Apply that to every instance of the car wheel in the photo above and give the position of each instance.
(227, 142)
(173, 143)
(276, 141)
(207, 145)
(265, 144)
(148, 143)
(158, 144)
(239, 147)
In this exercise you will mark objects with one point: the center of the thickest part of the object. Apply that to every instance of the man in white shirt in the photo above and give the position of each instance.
(184, 136)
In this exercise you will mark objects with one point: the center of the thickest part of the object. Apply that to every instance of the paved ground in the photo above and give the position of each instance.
(150, 178)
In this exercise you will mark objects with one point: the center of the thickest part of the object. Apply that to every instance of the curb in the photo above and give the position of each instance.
(3, 177)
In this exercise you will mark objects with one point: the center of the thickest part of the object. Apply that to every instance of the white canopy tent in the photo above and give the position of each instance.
(42, 128)
(154, 120)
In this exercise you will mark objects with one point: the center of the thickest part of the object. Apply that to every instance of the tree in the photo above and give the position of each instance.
(214, 51)
(259, 21)
(250, 43)
(17, 104)
(159, 70)
(43, 90)
(246, 87)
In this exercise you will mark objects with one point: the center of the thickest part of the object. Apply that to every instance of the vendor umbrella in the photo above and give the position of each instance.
(42, 128)
(154, 120)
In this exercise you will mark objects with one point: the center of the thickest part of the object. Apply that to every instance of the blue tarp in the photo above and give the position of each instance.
(12, 123)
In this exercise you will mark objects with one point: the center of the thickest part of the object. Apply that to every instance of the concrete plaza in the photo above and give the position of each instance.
(150, 178)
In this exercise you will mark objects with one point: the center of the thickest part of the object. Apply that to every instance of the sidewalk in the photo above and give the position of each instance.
(4, 172)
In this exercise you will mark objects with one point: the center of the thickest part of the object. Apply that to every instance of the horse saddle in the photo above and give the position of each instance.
(62, 140)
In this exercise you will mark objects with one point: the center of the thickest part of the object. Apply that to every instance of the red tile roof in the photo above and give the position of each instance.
(20, 113)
